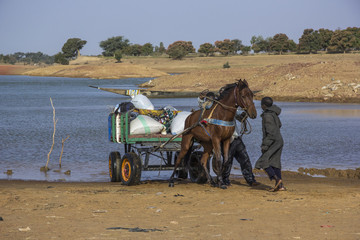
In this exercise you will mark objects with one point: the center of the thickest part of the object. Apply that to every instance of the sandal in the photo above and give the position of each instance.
(276, 188)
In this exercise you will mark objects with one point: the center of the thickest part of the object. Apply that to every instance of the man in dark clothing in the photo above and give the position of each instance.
(272, 143)
(238, 151)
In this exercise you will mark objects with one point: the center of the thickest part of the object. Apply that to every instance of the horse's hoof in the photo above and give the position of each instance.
(213, 184)
(223, 186)
(171, 184)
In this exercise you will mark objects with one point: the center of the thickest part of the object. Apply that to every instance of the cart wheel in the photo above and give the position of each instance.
(130, 169)
(182, 172)
(196, 171)
(114, 169)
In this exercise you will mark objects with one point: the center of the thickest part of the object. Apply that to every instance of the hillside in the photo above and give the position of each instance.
(334, 78)
(320, 77)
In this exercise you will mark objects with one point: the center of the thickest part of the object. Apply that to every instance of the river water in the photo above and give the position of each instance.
(316, 135)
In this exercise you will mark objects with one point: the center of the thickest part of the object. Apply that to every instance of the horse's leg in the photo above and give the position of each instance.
(185, 146)
(226, 146)
(204, 161)
(217, 163)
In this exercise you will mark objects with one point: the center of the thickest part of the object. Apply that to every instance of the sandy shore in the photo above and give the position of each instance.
(312, 208)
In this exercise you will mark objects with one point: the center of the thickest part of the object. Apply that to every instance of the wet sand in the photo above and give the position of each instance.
(311, 208)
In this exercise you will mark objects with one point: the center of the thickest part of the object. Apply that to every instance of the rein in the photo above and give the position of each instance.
(244, 129)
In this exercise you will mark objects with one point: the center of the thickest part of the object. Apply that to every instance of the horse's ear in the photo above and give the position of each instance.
(241, 82)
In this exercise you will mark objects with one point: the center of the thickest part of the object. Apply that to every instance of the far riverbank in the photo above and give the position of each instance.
(307, 78)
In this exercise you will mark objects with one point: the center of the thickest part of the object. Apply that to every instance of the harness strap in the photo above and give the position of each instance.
(220, 122)
(212, 111)
(201, 125)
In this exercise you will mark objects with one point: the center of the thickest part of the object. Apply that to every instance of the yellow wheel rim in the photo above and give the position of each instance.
(126, 170)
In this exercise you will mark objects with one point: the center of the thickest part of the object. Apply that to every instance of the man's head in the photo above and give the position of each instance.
(266, 102)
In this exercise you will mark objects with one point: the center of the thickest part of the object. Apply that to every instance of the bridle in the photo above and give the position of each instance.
(241, 100)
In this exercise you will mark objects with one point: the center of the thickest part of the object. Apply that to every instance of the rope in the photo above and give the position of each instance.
(175, 136)
(244, 129)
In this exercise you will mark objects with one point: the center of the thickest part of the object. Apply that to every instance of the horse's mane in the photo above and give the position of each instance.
(224, 91)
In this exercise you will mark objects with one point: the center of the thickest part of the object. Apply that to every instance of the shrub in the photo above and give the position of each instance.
(118, 55)
(226, 65)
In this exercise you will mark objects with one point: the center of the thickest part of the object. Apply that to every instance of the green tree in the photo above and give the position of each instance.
(324, 38)
(5, 58)
(267, 42)
(162, 49)
(355, 42)
(259, 44)
(27, 58)
(9, 59)
(341, 41)
(72, 47)
(245, 50)
(147, 49)
(133, 50)
(279, 43)
(179, 49)
(237, 45)
(176, 52)
(207, 49)
(60, 58)
(112, 44)
(309, 42)
(292, 46)
(35, 57)
(255, 43)
(224, 47)
(19, 56)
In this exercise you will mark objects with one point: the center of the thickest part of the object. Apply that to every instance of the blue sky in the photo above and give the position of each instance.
(45, 25)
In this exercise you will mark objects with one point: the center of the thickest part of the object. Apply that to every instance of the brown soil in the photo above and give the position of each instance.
(311, 208)
(15, 69)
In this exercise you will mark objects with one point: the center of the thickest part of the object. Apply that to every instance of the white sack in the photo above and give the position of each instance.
(177, 124)
(142, 102)
(143, 124)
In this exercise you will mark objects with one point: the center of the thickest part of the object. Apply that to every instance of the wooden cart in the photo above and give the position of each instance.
(141, 151)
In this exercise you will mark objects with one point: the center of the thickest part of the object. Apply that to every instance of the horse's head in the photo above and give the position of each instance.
(244, 98)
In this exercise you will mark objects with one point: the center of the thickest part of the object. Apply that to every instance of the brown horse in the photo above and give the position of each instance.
(215, 126)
